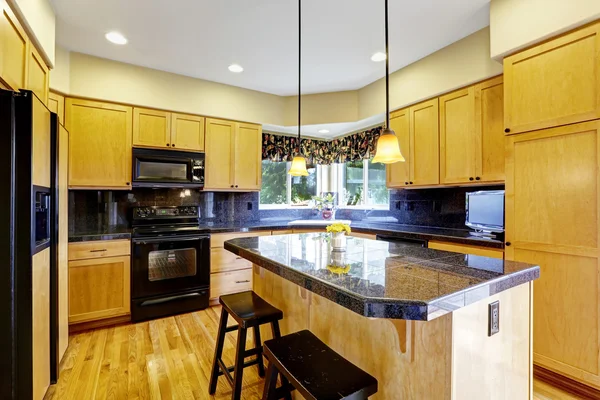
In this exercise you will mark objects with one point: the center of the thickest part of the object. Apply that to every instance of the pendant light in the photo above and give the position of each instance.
(299, 162)
(388, 146)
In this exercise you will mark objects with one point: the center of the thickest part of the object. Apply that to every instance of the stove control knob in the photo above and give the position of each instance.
(176, 211)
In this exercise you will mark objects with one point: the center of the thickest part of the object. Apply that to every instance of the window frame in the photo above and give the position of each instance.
(288, 190)
(365, 179)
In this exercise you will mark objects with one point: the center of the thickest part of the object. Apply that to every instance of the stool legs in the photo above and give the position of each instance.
(270, 383)
(284, 381)
(214, 375)
(259, 357)
(239, 364)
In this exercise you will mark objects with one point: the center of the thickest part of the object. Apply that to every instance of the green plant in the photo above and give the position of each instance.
(324, 202)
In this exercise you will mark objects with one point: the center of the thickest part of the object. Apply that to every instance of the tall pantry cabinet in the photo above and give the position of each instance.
(552, 118)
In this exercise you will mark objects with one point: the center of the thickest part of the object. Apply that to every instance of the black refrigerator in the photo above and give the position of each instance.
(28, 233)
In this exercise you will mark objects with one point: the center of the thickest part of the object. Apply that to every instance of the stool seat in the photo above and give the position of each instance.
(249, 310)
(315, 370)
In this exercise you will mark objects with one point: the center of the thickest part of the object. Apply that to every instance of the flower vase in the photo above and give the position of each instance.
(327, 213)
(338, 241)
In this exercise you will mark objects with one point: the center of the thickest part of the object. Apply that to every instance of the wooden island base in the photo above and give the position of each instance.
(451, 357)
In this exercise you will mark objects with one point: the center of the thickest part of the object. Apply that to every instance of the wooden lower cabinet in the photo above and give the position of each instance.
(230, 282)
(40, 363)
(552, 195)
(466, 249)
(99, 280)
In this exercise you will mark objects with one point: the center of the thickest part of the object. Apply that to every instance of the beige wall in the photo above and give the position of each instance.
(460, 64)
(100, 78)
(323, 108)
(38, 18)
(60, 76)
(516, 24)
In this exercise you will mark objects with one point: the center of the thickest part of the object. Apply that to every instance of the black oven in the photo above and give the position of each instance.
(170, 267)
(167, 168)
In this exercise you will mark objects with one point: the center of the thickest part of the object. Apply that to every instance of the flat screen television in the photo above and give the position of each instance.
(485, 211)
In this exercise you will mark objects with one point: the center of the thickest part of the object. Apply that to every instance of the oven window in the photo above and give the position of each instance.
(162, 170)
(171, 264)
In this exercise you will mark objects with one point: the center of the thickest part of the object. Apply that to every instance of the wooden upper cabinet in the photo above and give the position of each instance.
(56, 104)
(555, 83)
(13, 50)
(220, 138)
(458, 137)
(489, 126)
(38, 75)
(151, 128)
(552, 184)
(248, 157)
(100, 144)
(398, 174)
(424, 131)
(187, 132)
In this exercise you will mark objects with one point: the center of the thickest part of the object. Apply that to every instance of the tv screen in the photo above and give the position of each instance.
(485, 210)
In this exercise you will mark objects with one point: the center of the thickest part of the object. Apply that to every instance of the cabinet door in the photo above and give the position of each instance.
(187, 132)
(457, 136)
(98, 288)
(13, 49)
(489, 117)
(56, 104)
(38, 75)
(552, 220)
(219, 154)
(555, 83)
(424, 142)
(151, 128)
(398, 174)
(248, 155)
(100, 144)
(40, 362)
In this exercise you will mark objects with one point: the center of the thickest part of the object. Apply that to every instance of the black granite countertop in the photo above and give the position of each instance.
(381, 228)
(384, 279)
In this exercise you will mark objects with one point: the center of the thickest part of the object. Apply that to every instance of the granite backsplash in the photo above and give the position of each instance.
(92, 210)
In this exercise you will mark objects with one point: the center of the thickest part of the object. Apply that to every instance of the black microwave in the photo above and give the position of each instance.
(167, 169)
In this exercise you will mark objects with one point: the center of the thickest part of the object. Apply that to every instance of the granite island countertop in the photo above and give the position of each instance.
(378, 228)
(384, 279)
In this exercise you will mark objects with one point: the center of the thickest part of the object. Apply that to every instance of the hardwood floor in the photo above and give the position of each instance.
(168, 358)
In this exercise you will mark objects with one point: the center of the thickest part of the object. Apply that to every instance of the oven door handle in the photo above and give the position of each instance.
(168, 299)
(169, 239)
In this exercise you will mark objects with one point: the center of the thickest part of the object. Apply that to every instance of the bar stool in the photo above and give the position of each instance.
(249, 311)
(315, 370)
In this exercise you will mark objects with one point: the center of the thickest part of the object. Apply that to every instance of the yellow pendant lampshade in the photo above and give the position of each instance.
(388, 146)
(298, 167)
(388, 149)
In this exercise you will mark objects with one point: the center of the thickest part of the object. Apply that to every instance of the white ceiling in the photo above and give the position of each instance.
(201, 38)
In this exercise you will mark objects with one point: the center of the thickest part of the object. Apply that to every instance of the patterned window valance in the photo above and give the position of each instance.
(358, 146)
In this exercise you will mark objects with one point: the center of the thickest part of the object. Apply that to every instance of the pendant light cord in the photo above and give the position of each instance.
(387, 71)
(299, 67)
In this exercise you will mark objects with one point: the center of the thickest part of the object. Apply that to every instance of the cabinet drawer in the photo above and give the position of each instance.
(217, 239)
(98, 249)
(230, 282)
(222, 260)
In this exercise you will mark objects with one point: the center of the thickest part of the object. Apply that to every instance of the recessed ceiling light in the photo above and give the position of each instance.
(236, 68)
(378, 57)
(116, 38)
(323, 131)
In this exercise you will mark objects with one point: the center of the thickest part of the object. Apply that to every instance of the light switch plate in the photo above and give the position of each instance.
(493, 318)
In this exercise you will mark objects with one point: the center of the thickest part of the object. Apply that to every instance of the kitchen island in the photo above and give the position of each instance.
(416, 319)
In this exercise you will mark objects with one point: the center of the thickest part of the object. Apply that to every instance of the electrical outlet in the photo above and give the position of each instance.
(493, 318)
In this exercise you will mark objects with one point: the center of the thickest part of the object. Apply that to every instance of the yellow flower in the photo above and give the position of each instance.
(338, 227)
(336, 269)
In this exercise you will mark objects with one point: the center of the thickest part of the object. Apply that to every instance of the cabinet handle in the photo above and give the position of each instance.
(246, 281)
(508, 243)
(173, 145)
(236, 185)
(406, 183)
(238, 258)
(128, 183)
(410, 183)
(231, 185)
(168, 144)
(97, 251)
(507, 130)
(471, 178)
(477, 178)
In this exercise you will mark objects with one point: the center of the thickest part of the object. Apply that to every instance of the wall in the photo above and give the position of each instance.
(460, 64)
(323, 108)
(38, 17)
(100, 78)
(516, 24)
(60, 76)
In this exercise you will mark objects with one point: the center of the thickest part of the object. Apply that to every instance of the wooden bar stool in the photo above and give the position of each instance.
(249, 311)
(312, 368)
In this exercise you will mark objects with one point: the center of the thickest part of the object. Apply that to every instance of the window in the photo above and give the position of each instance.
(281, 189)
(362, 183)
